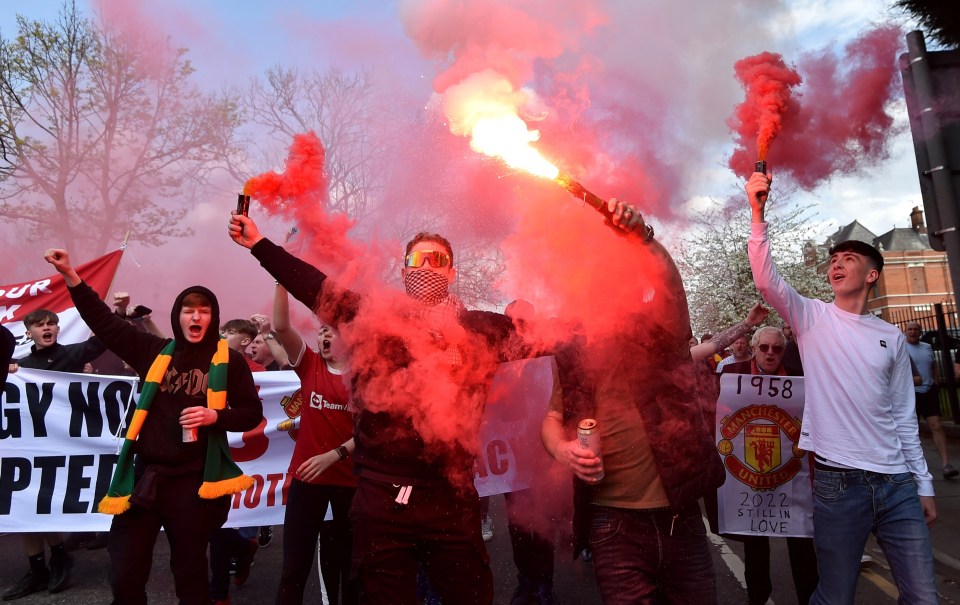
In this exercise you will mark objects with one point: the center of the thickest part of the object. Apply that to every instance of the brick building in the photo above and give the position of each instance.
(914, 276)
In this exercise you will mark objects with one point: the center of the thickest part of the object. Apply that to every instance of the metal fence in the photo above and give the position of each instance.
(941, 330)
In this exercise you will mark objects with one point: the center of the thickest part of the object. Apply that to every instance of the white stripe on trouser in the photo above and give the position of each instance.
(403, 496)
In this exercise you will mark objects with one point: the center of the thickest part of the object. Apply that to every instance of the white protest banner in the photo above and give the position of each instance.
(19, 300)
(768, 490)
(57, 434)
(511, 453)
(57, 437)
(265, 452)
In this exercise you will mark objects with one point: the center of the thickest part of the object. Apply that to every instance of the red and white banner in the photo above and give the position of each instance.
(768, 490)
(19, 300)
(60, 435)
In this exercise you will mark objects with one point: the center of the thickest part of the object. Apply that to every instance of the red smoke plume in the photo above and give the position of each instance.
(769, 84)
(300, 193)
(841, 125)
(424, 391)
(506, 37)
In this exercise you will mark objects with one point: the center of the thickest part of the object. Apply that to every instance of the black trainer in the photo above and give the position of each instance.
(265, 536)
(546, 596)
(28, 584)
(60, 564)
(525, 590)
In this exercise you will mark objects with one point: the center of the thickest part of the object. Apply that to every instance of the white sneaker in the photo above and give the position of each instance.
(486, 528)
(866, 561)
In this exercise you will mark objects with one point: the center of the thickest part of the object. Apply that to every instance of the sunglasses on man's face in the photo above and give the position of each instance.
(777, 349)
(436, 259)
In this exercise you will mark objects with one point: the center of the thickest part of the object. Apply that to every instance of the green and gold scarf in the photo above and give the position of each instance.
(221, 475)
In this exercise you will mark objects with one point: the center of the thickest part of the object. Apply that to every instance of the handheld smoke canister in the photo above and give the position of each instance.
(243, 204)
(761, 167)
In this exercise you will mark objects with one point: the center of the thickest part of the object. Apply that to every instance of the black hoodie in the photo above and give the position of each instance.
(7, 345)
(184, 384)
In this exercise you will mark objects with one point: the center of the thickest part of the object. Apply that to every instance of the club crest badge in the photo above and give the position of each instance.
(292, 406)
(769, 454)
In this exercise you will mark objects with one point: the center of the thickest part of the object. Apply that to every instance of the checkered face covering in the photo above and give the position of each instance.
(426, 286)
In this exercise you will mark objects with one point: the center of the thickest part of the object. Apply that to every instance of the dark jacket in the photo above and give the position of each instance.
(651, 358)
(63, 358)
(389, 445)
(184, 384)
(7, 345)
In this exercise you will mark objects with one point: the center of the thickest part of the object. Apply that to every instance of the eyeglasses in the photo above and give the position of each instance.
(436, 259)
(777, 349)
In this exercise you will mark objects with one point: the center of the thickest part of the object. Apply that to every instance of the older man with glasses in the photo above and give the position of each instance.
(768, 345)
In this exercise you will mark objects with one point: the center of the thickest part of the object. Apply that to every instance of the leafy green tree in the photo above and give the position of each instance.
(101, 135)
(716, 269)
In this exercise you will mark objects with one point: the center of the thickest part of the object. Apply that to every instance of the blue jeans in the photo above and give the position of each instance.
(847, 506)
(651, 556)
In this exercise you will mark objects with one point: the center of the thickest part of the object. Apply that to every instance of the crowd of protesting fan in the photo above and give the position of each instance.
(408, 524)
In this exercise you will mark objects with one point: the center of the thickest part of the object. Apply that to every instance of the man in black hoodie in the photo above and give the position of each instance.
(169, 469)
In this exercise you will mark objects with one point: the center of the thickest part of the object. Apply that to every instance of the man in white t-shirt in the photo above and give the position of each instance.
(859, 419)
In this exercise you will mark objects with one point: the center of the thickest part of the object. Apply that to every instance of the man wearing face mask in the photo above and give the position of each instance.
(414, 361)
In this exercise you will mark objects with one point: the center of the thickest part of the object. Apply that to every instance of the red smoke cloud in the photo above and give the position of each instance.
(533, 44)
(395, 363)
(769, 84)
(623, 147)
(148, 46)
(841, 124)
(300, 193)
(489, 34)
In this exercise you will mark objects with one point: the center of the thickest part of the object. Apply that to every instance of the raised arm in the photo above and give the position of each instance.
(756, 316)
(780, 295)
(138, 314)
(276, 349)
(289, 338)
(301, 279)
(758, 190)
(133, 346)
(60, 260)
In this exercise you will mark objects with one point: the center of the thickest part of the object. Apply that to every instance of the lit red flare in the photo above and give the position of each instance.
(485, 107)
(507, 137)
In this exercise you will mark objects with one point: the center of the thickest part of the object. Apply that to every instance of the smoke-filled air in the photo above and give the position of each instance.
(362, 124)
